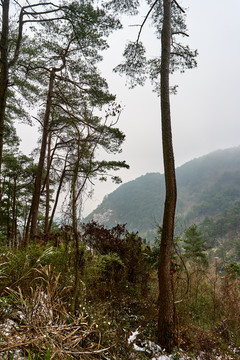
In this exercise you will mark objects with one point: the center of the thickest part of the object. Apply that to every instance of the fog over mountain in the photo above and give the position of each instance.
(207, 187)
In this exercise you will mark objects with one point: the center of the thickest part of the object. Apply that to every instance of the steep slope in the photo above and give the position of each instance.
(137, 203)
(207, 186)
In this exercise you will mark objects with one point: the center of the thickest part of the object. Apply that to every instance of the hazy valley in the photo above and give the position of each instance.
(208, 195)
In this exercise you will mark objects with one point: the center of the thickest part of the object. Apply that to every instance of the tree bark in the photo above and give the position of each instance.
(57, 197)
(3, 77)
(14, 211)
(47, 180)
(39, 175)
(46, 130)
(78, 254)
(166, 299)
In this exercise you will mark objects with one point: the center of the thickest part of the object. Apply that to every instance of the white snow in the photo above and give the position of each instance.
(138, 348)
(133, 337)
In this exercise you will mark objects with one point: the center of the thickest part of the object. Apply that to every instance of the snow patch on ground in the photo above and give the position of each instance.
(133, 337)
(155, 352)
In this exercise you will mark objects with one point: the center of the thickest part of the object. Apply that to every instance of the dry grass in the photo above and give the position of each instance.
(39, 322)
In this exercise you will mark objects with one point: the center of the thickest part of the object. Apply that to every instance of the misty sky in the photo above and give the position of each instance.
(206, 110)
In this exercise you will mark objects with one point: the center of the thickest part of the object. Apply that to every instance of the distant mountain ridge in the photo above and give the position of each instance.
(207, 186)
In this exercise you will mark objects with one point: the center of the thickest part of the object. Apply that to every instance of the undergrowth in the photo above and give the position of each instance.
(117, 296)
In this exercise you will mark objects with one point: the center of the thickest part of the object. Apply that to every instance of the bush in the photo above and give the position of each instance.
(130, 259)
(18, 264)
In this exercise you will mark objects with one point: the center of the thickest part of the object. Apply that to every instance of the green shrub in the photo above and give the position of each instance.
(17, 265)
(129, 247)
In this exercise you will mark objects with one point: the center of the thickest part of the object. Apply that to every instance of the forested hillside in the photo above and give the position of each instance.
(208, 189)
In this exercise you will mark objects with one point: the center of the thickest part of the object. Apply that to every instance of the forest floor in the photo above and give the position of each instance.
(119, 329)
(114, 318)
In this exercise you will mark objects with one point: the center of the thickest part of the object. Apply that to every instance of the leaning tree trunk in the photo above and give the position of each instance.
(60, 183)
(166, 302)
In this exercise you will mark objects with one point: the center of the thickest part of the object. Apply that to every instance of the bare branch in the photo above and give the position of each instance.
(180, 33)
(145, 19)
(39, 121)
(31, 6)
(175, 2)
(44, 12)
(43, 20)
(66, 79)
(17, 3)
(116, 121)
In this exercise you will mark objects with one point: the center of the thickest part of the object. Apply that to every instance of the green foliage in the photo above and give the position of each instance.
(201, 310)
(66, 44)
(17, 181)
(18, 264)
(194, 245)
(107, 272)
(225, 226)
(156, 248)
(125, 6)
(121, 252)
(46, 356)
(110, 293)
(110, 267)
(233, 269)
(136, 66)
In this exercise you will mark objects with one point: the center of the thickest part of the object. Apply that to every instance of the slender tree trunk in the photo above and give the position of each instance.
(14, 215)
(166, 299)
(57, 198)
(8, 216)
(47, 209)
(78, 254)
(27, 227)
(39, 175)
(3, 77)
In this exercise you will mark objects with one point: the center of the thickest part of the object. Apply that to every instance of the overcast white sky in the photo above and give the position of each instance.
(206, 110)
